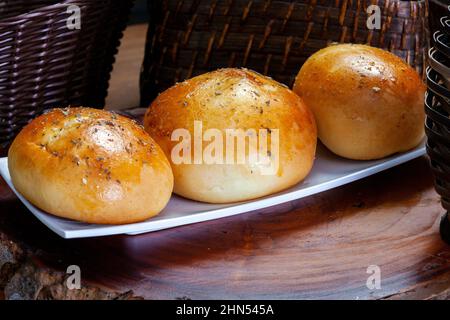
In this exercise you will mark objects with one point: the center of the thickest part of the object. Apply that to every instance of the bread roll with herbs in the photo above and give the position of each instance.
(221, 102)
(90, 165)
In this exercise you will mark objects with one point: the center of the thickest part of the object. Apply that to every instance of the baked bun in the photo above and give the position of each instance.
(367, 102)
(90, 165)
(229, 100)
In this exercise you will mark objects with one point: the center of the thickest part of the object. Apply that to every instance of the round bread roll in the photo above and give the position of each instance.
(367, 102)
(90, 165)
(222, 103)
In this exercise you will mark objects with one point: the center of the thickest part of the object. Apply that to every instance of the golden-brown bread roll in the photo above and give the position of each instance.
(90, 165)
(234, 99)
(367, 102)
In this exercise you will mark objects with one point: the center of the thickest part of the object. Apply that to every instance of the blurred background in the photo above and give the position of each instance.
(123, 91)
(139, 12)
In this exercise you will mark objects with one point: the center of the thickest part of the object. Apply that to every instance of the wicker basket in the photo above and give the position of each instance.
(437, 128)
(44, 64)
(437, 9)
(9, 8)
(189, 37)
(437, 108)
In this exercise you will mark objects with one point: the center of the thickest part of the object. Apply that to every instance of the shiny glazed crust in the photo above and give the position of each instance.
(234, 99)
(90, 165)
(367, 102)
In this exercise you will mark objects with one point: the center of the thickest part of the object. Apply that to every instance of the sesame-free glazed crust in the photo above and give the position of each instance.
(234, 99)
(367, 102)
(90, 165)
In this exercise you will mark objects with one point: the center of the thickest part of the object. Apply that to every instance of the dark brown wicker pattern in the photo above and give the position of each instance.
(437, 9)
(437, 108)
(43, 64)
(9, 8)
(189, 37)
(438, 145)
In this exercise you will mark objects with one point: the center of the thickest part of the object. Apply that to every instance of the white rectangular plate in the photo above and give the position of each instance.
(329, 171)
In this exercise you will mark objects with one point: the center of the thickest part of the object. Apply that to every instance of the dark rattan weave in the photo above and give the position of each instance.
(437, 108)
(44, 64)
(189, 37)
(437, 127)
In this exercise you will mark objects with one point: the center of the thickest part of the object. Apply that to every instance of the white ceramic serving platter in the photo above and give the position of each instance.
(329, 171)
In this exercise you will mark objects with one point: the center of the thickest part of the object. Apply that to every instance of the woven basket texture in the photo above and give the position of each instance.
(45, 64)
(437, 105)
(10, 8)
(438, 144)
(190, 37)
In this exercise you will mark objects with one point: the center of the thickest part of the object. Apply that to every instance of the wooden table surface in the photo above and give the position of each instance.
(318, 247)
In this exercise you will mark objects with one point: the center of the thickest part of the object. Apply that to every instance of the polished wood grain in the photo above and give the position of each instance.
(318, 247)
